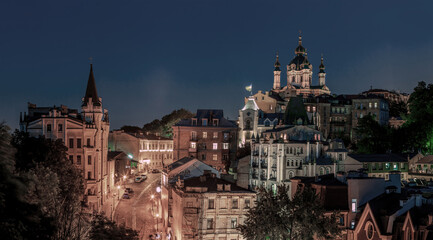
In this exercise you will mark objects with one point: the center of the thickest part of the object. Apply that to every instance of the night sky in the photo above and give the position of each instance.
(153, 57)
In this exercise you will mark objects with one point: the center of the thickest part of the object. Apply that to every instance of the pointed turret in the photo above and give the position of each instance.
(322, 73)
(300, 49)
(91, 92)
(322, 66)
(277, 64)
(277, 74)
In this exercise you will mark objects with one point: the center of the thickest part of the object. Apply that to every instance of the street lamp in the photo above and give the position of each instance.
(124, 179)
(158, 189)
(157, 221)
(118, 192)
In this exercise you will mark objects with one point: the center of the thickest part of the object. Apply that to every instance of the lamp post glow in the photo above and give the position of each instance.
(158, 189)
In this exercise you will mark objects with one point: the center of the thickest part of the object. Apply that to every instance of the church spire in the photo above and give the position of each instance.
(277, 64)
(300, 50)
(91, 90)
(322, 66)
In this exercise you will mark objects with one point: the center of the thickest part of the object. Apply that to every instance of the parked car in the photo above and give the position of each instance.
(125, 196)
(143, 176)
(138, 179)
(155, 171)
(129, 190)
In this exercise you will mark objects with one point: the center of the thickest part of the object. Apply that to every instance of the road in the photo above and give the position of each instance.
(140, 211)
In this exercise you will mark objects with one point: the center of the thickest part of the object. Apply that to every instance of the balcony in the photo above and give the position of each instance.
(273, 178)
(263, 177)
(192, 150)
(274, 165)
(254, 164)
(190, 210)
(264, 165)
(255, 176)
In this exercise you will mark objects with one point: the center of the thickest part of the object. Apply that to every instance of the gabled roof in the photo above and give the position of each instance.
(208, 114)
(426, 160)
(187, 167)
(390, 157)
(211, 183)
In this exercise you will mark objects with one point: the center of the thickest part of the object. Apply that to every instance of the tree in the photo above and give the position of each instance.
(419, 125)
(164, 126)
(373, 138)
(131, 129)
(276, 216)
(103, 228)
(397, 109)
(54, 183)
(19, 218)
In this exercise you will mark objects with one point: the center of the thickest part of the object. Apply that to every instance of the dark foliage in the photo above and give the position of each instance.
(18, 218)
(103, 228)
(397, 109)
(131, 129)
(276, 216)
(374, 138)
(164, 126)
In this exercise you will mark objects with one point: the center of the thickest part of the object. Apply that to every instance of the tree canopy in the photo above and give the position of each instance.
(276, 216)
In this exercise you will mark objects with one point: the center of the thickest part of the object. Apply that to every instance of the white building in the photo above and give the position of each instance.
(207, 207)
(85, 134)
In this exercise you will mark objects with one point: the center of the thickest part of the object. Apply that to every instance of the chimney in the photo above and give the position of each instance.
(203, 178)
(227, 187)
(180, 183)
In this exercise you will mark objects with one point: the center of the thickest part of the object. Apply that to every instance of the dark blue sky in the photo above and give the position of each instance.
(151, 57)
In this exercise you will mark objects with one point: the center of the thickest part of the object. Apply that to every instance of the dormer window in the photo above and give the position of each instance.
(204, 122)
(215, 122)
(194, 121)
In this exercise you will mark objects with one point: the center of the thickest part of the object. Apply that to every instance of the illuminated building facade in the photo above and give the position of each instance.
(85, 134)
(208, 136)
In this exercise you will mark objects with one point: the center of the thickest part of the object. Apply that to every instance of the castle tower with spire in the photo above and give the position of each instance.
(277, 74)
(322, 73)
(85, 135)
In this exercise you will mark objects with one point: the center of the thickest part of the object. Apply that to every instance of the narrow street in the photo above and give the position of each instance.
(140, 211)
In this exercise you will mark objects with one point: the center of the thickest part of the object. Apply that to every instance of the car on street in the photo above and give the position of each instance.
(129, 190)
(155, 171)
(143, 176)
(125, 196)
(138, 179)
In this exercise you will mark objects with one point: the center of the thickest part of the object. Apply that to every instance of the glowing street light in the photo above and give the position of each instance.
(158, 189)
(152, 196)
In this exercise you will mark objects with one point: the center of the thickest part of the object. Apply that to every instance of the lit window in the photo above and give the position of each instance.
(247, 203)
(215, 146)
(225, 145)
(215, 135)
(204, 134)
(210, 223)
(211, 204)
(193, 145)
(370, 105)
(215, 157)
(234, 223)
(354, 207)
(375, 105)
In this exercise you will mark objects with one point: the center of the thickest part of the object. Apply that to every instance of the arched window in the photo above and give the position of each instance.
(267, 123)
(328, 170)
(291, 174)
(248, 124)
(321, 170)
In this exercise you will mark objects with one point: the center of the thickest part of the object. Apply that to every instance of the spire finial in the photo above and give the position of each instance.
(91, 60)
(300, 37)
